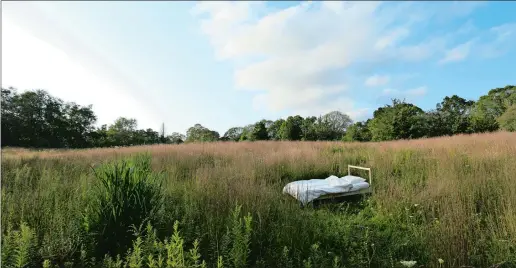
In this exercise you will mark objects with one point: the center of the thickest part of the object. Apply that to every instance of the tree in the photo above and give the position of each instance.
(323, 130)
(198, 133)
(151, 136)
(123, 132)
(233, 134)
(80, 123)
(246, 132)
(453, 114)
(507, 120)
(10, 125)
(309, 129)
(491, 106)
(357, 132)
(36, 119)
(100, 137)
(291, 128)
(176, 138)
(337, 123)
(273, 130)
(259, 132)
(399, 121)
(123, 124)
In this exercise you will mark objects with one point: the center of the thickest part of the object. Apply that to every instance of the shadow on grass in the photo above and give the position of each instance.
(352, 204)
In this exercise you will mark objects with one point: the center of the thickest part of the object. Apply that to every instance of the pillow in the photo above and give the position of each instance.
(353, 179)
(336, 181)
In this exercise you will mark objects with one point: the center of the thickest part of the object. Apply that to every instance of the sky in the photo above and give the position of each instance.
(226, 64)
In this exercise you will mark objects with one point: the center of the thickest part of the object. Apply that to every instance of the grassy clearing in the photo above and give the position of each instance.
(220, 205)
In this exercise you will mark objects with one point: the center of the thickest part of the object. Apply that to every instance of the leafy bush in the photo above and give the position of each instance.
(507, 120)
(127, 194)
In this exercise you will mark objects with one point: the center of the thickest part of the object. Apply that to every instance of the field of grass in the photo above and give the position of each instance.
(442, 202)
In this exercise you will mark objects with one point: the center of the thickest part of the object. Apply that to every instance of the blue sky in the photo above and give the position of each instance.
(224, 64)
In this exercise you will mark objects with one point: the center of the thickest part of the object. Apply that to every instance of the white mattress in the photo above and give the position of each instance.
(308, 190)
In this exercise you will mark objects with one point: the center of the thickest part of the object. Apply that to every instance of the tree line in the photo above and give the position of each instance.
(38, 120)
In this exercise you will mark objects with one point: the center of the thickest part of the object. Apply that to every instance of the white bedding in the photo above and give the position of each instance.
(308, 190)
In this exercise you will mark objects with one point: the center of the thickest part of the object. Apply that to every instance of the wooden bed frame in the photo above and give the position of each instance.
(359, 192)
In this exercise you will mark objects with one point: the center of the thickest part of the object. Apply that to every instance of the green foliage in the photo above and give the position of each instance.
(259, 132)
(491, 106)
(291, 128)
(198, 133)
(240, 234)
(337, 123)
(507, 120)
(176, 138)
(233, 134)
(36, 119)
(357, 132)
(19, 247)
(274, 130)
(396, 121)
(454, 115)
(246, 133)
(309, 129)
(127, 194)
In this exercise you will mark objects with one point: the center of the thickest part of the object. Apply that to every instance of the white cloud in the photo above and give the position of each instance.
(377, 80)
(390, 91)
(417, 92)
(498, 41)
(467, 28)
(491, 43)
(457, 53)
(405, 94)
(297, 58)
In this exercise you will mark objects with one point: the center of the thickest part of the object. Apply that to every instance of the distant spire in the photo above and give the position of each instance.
(162, 136)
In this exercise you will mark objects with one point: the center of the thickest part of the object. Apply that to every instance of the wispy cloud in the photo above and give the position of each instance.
(417, 92)
(457, 53)
(487, 44)
(377, 80)
(405, 94)
(498, 41)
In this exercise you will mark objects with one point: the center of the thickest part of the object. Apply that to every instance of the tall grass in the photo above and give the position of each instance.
(128, 194)
(442, 202)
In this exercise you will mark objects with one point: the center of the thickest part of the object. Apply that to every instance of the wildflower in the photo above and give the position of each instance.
(408, 263)
(441, 261)
(416, 205)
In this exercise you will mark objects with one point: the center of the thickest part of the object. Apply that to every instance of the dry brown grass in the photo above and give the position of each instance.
(474, 144)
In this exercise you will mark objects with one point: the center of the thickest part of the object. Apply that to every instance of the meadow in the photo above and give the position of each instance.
(441, 202)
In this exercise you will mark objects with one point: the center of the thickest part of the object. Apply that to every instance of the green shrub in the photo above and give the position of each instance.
(507, 120)
(127, 194)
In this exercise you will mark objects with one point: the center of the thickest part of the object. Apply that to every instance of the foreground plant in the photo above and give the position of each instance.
(18, 247)
(127, 194)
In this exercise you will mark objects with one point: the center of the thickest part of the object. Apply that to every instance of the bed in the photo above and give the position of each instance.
(306, 191)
